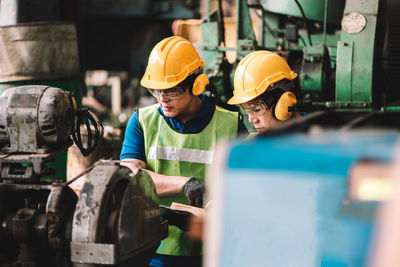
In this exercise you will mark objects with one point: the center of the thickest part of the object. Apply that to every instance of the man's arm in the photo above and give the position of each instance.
(165, 185)
(133, 157)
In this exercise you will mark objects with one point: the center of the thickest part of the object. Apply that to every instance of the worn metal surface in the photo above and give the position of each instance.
(119, 209)
(60, 207)
(35, 119)
(96, 253)
(38, 51)
(35, 219)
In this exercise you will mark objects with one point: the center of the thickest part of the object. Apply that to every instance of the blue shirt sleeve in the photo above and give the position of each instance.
(133, 145)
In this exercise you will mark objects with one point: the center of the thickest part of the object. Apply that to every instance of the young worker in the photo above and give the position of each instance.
(175, 138)
(264, 87)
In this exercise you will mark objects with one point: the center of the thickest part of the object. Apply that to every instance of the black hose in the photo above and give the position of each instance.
(305, 21)
(86, 116)
(221, 22)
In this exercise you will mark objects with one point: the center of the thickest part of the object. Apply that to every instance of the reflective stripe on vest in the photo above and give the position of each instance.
(182, 154)
(167, 151)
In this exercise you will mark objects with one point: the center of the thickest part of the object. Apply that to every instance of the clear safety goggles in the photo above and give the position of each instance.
(172, 93)
(256, 108)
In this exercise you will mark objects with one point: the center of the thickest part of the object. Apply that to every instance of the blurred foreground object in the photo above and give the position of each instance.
(386, 242)
(301, 212)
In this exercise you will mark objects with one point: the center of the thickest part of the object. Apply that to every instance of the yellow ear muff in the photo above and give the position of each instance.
(199, 84)
(286, 100)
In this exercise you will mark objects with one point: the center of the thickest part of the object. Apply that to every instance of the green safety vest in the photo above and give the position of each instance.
(169, 152)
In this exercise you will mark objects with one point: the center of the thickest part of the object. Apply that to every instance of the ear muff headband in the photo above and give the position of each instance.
(281, 108)
(200, 84)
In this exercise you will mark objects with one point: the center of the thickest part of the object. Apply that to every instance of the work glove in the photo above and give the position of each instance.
(194, 190)
(177, 218)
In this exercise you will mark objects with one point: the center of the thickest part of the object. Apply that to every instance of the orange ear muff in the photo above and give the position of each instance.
(199, 84)
(281, 109)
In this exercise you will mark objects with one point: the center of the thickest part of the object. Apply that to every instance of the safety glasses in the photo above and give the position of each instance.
(172, 93)
(256, 108)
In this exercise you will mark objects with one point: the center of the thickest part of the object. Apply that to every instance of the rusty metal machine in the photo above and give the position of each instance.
(115, 220)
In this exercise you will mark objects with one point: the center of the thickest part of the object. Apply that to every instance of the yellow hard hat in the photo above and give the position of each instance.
(256, 72)
(170, 62)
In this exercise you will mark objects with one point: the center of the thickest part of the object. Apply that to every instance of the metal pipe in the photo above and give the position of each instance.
(221, 22)
(325, 19)
(305, 21)
(264, 25)
(208, 10)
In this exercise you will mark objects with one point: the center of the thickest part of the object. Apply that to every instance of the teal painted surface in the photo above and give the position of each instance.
(271, 38)
(244, 23)
(285, 200)
(331, 43)
(344, 71)
(313, 9)
(329, 152)
(312, 78)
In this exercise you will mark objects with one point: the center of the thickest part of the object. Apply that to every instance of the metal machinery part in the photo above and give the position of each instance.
(116, 220)
(36, 123)
(36, 220)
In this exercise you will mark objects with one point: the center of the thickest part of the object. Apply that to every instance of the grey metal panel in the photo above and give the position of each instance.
(93, 253)
(38, 50)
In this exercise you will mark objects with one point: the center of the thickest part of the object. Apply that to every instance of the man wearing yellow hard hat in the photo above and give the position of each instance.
(174, 139)
(263, 87)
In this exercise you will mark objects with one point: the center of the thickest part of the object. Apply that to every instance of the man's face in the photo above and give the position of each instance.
(260, 115)
(174, 102)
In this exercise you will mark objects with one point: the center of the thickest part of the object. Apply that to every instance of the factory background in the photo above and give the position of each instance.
(329, 195)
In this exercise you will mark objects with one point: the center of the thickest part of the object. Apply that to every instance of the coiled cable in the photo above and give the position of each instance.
(88, 117)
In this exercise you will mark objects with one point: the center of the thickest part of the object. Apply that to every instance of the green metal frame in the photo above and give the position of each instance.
(355, 55)
(351, 56)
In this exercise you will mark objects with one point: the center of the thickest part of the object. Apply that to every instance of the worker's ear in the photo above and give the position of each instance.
(281, 108)
(200, 84)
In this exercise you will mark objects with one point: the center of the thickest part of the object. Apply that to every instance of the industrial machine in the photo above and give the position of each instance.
(345, 52)
(290, 197)
(115, 220)
(53, 42)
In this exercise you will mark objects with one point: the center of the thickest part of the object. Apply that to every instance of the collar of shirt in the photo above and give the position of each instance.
(196, 123)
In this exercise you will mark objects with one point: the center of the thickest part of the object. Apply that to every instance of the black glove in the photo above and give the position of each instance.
(194, 190)
(177, 218)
